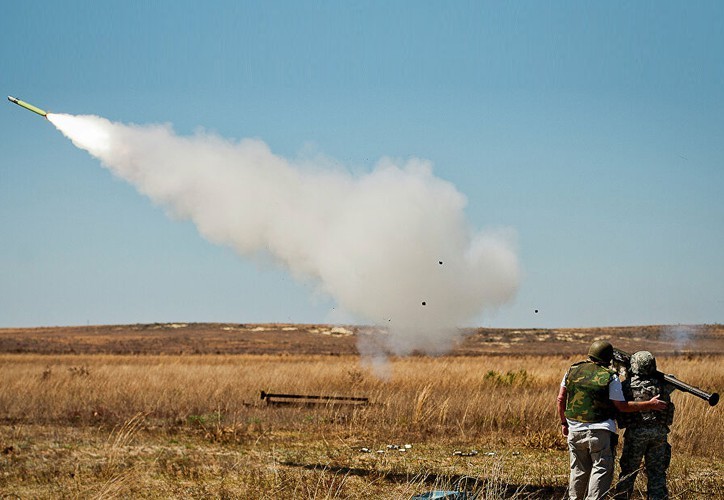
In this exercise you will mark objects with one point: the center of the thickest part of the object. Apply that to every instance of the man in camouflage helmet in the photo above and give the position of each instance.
(588, 399)
(646, 432)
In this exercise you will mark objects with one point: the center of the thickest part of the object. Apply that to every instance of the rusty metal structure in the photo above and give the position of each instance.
(276, 399)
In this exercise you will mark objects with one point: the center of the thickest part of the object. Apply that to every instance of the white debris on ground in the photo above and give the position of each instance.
(460, 453)
(457, 453)
(472, 453)
(391, 447)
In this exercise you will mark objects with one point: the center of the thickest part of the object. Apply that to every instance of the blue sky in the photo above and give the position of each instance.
(592, 129)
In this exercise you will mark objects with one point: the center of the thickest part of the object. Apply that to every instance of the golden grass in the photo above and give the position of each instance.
(194, 426)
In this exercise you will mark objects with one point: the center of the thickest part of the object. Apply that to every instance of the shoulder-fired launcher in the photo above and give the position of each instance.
(623, 358)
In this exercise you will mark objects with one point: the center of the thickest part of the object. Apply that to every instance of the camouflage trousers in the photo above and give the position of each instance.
(651, 445)
(592, 455)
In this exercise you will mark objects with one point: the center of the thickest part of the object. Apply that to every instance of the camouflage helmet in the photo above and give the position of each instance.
(643, 363)
(601, 351)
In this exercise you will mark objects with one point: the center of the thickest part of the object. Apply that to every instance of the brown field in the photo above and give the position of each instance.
(173, 411)
(232, 338)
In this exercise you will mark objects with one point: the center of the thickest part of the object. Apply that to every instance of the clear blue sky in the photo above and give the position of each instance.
(593, 129)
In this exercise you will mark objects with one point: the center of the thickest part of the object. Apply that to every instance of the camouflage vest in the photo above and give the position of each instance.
(587, 393)
(637, 388)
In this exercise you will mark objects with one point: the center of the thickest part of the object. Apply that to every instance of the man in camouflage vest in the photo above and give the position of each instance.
(647, 432)
(588, 399)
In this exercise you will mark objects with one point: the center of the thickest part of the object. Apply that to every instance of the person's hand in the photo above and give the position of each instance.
(656, 404)
(564, 429)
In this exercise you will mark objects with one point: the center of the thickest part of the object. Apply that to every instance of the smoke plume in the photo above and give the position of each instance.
(680, 336)
(391, 246)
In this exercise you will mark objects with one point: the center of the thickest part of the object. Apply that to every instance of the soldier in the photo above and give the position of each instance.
(647, 432)
(589, 396)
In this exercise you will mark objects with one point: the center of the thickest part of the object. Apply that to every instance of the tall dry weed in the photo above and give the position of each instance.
(479, 399)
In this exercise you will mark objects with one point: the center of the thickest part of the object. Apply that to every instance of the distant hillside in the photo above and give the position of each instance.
(225, 338)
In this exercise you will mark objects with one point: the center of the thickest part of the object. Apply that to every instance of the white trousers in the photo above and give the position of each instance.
(592, 464)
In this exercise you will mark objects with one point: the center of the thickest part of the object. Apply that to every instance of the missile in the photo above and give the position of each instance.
(27, 106)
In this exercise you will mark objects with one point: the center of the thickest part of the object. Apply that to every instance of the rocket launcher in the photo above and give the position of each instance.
(623, 359)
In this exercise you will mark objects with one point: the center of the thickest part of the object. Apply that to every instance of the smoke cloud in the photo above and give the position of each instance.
(391, 246)
(680, 335)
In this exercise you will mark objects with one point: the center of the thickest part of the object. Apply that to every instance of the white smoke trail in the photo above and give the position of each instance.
(392, 246)
(680, 335)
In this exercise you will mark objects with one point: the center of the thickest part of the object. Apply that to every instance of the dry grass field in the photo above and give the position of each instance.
(173, 411)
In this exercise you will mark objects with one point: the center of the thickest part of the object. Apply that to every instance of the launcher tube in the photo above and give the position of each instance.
(624, 358)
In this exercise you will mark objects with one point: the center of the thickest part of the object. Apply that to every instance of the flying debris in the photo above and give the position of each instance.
(28, 106)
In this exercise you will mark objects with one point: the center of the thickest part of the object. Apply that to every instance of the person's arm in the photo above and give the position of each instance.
(561, 406)
(632, 406)
(616, 395)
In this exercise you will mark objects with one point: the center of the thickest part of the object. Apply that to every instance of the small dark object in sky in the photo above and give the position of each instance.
(424, 303)
(536, 311)
(440, 262)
